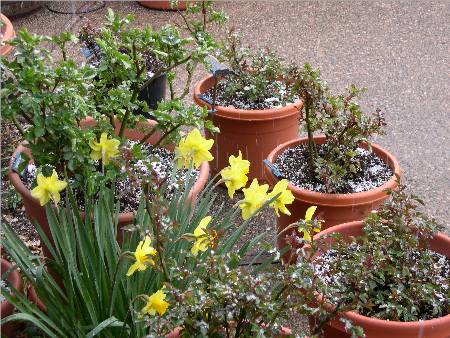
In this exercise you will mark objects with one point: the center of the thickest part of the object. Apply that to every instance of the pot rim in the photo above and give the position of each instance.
(15, 280)
(337, 200)
(244, 114)
(123, 216)
(376, 322)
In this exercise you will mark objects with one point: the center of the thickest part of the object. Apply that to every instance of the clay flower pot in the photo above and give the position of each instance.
(37, 213)
(379, 328)
(164, 5)
(255, 132)
(332, 208)
(15, 280)
(6, 33)
(32, 295)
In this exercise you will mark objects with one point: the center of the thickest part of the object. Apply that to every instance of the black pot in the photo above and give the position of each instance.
(154, 93)
(13, 9)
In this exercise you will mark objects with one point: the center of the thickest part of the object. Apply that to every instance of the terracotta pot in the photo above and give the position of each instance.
(176, 333)
(255, 132)
(379, 328)
(7, 33)
(15, 280)
(332, 208)
(32, 295)
(37, 213)
(164, 5)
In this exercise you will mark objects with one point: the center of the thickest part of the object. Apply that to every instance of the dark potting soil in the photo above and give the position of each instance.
(240, 100)
(293, 164)
(327, 270)
(160, 161)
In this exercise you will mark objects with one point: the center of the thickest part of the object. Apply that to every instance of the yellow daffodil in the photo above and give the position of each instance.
(285, 197)
(202, 239)
(142, 256)
(235, 175)
(156, 304)
(105, 149)
(308, 224)
(48, 188)
(254, 198)
(194, 147)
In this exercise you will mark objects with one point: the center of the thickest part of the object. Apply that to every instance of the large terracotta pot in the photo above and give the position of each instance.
(6, 33)
(15, 280)
(164, 5)
(332, 208)
(254, 132)
(379, 328)
(37, 213)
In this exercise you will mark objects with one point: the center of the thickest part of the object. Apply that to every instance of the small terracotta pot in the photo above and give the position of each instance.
(6, 308)
(332, 208)
(255, 132)
(177, 332)
(37, 213)
(7, 33)
(379, 328)
(164, 5)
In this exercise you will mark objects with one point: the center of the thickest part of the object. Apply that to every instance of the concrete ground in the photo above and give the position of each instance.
(398, 49)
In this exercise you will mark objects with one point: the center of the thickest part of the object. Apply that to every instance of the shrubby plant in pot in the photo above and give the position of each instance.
(340, 171)
(394, 267)
(252, 104)
(70, 138)
(173, 271)
(145, 59)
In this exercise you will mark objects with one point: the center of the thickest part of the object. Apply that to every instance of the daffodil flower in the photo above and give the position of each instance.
(254, 198)
(308, 224)
(104, 149)
(202, 239)
(156, 304)
(285, 197)
(194, 147)
(235, 175)
(48, 188)
(142, 255)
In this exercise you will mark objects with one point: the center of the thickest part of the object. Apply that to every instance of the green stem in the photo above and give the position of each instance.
(18, 126)
(164, 136)
(312, 150)
(156, 228)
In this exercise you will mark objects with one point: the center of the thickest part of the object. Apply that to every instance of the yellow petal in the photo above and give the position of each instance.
(41, 194)
(310, 213)
(96, 155)
(133, 268)
(56, 197)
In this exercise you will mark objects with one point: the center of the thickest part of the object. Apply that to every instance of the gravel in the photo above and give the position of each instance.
(293, 164)
(240, 99)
